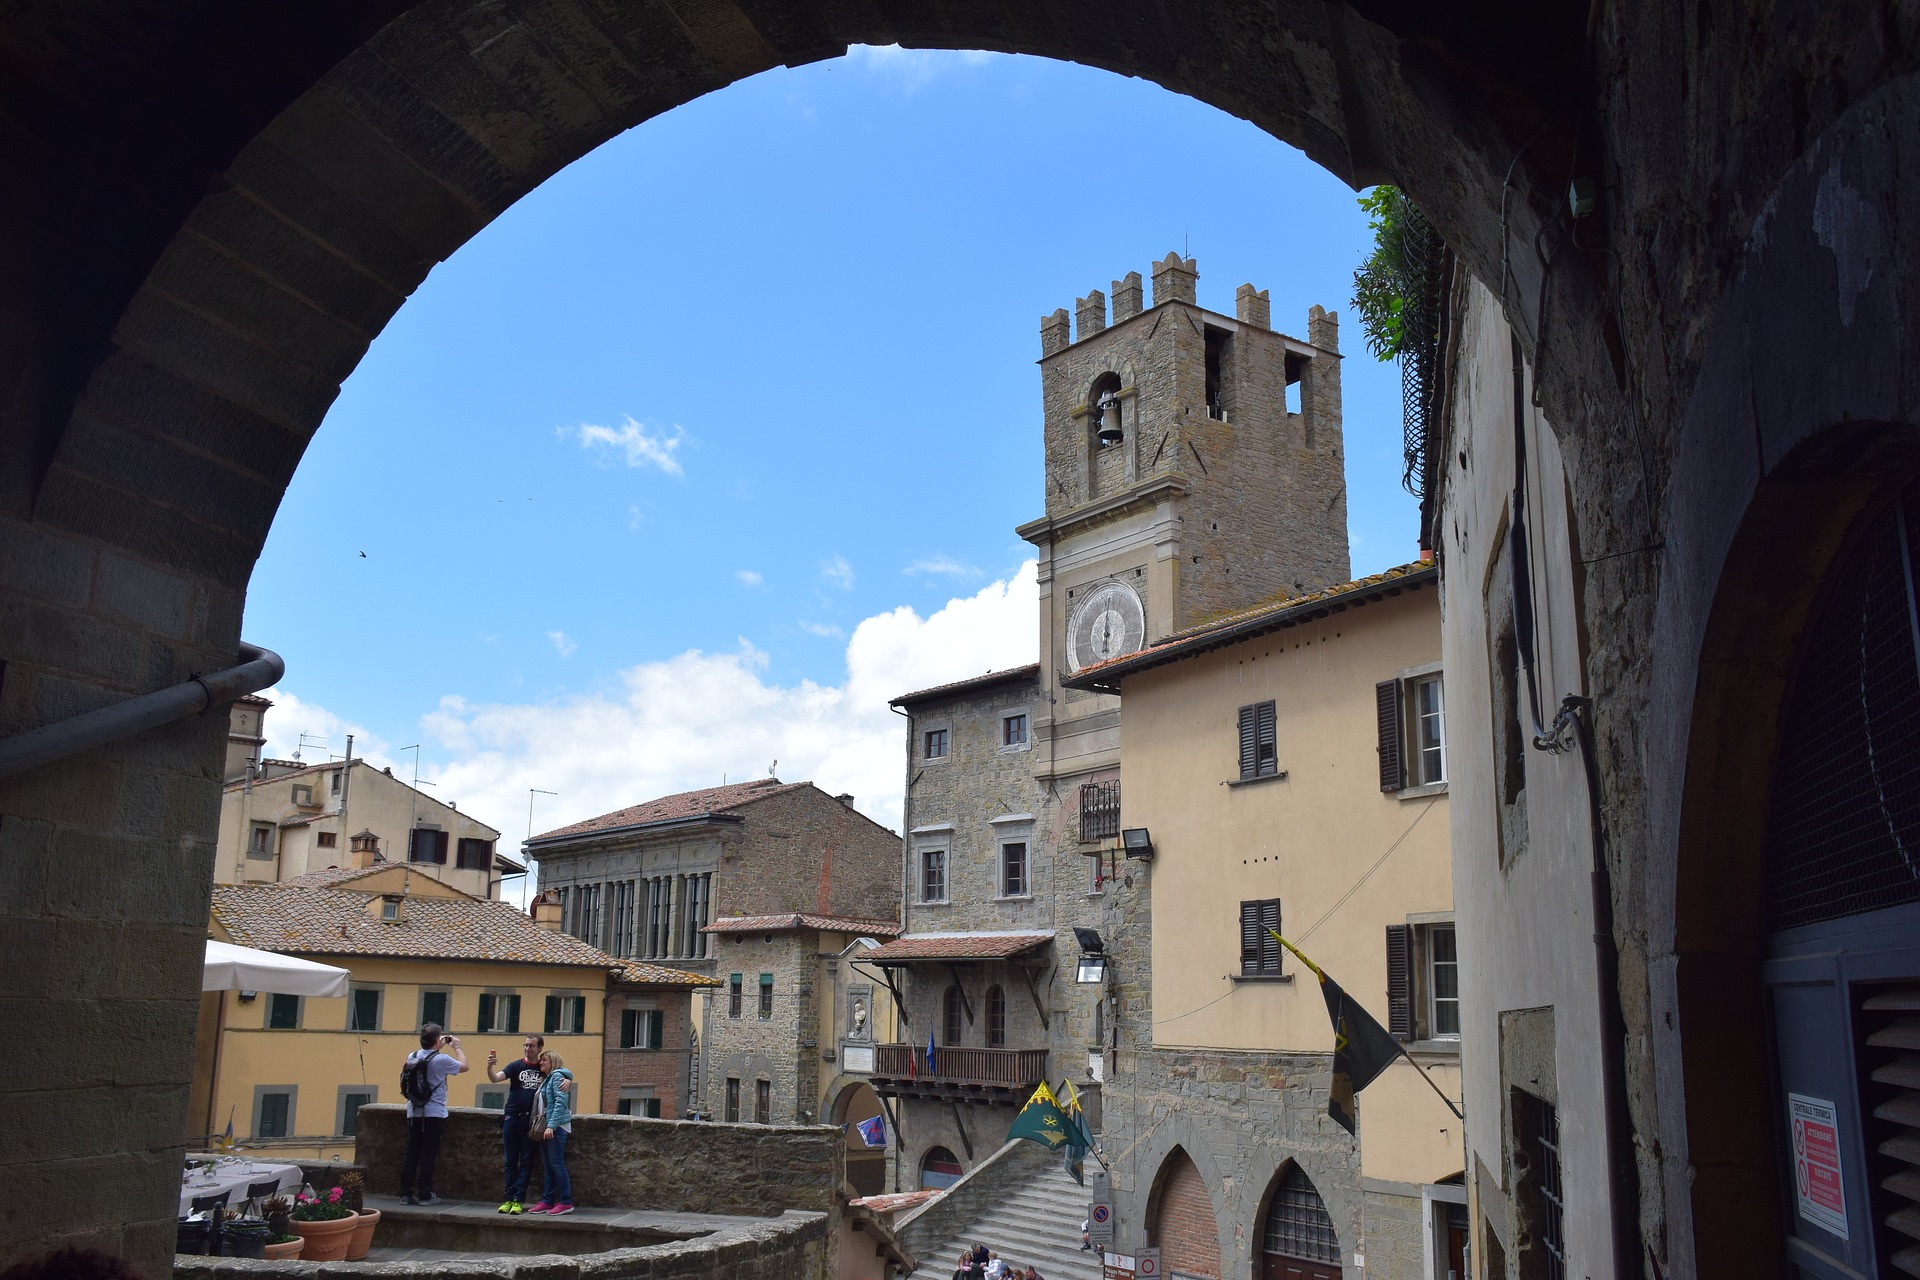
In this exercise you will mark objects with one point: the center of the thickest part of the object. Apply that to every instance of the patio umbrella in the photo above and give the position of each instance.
(231, 968)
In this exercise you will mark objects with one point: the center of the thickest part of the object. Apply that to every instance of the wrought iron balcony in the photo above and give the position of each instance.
(983, 1075)
(1099, 810)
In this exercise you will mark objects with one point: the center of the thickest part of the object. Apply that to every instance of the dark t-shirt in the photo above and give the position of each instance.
(523, 1079)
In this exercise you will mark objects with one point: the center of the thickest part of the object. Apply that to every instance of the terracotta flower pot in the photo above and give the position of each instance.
(326, 1241)
(289, 1250)
(363, 1225)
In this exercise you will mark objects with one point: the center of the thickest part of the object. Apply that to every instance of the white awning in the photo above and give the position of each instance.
(231, 968)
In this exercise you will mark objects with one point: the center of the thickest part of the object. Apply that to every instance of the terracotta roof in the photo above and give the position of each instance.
(1272, 615)
(802, 920)
(332, 877)
(1029, 672)
(895, 1202)
(676, 808)
(640, 973)
(956, 946)
(334, 922)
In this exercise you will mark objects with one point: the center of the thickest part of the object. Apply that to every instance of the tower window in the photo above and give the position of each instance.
(1217, 341)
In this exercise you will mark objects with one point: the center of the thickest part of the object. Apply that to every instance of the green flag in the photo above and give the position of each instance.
(1042, 1121)
(1075, 1159)
(1362, 1048)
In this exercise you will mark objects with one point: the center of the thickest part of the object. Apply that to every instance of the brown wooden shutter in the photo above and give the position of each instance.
(1249, 739)
(1249, 931)
(1400, 981)
(1387, 703)
(1266, 753)
(1270, 946)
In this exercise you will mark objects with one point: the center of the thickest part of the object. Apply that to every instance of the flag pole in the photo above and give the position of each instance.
(1399, 1044)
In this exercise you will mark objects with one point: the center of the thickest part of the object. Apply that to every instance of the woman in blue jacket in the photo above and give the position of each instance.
(556, 1095)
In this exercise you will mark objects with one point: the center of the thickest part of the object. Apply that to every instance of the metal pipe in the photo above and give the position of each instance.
(258, 669)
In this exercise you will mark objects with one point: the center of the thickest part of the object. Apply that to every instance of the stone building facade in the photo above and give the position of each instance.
(646, 882)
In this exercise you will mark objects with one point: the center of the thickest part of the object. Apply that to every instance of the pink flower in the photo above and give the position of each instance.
(333, 1196)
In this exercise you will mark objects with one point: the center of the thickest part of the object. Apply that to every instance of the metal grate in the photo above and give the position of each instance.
(1844, 835)
(1888, 1024)
(1297, 1223)
(1422, 254)
(1553, 1196)
(1099, 810)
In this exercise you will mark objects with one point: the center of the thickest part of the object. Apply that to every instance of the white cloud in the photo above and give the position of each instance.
(941, 566)
(911, 70)
(820, 628)
(635, 517)
(641, 447)
(292, 716)
(691, 720)
(749, 577)
(562, 645)
(838, 572)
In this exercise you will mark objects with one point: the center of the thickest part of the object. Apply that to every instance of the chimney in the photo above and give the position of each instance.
(845, 798)
(363, 851)
(545, 910)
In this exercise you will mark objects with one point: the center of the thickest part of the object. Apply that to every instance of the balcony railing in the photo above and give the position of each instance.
(1099, 810)
(1014, 1070)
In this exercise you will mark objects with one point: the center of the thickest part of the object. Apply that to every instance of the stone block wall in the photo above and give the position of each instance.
(671, 1166)
(803, 850)
(664, 1070)
(749, 1047)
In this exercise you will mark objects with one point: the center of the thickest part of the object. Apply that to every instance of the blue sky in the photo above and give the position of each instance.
(718, 439)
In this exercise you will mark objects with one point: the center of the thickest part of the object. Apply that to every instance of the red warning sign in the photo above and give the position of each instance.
(1818, 1186)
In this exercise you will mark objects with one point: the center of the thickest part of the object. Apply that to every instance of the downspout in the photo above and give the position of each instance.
(258, 668)
(1575, 719)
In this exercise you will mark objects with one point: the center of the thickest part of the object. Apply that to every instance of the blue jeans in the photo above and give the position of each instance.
(520, 1151)
(559, 1185)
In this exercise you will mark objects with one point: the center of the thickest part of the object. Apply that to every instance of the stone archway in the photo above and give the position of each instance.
(1181, 1219)
(855, 1102)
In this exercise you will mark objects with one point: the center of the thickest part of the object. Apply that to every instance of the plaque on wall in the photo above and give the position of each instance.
(857, 1057)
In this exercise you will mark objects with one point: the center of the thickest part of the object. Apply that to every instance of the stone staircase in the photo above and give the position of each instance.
(1021, 1204)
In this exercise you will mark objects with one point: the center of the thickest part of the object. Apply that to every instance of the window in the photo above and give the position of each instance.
(260, 840)
(953, 1014)
(1412, 716)
(434, 1006)
(1443, 983)
(427, 845)
(732, 1112)
(621, 906)
(733, 995)
(274, 1113)
(1541, 1121)
(1257, 750)
(390, 908)
(474, 855)
(490, 1099)
(936, 747)
(1259, 949)
(996, 1018)
(283, 1012)
(326, 839)
(333, 783)
(1013, 730)
(1013, 868)
(763, 1102)
(1298, 1226)
(363, 1009)
(566, 1014)
(1423, 981)
(642, 1028)
(1428, 757)
(648, 1107)
(586, 914)
(766, 995)
(699, 898)
(1099, 810)
(351, 1100)
(933, 873)
(499, 1011)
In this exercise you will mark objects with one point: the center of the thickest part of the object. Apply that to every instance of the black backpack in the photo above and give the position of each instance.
(416, 1082)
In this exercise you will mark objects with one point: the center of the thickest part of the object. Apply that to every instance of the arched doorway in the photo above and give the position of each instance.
(1297, 1239)
(940, 1168)
(1181, 1221)
(854, 1110)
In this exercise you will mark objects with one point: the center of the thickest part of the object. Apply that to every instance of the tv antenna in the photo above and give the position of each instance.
(314, 739)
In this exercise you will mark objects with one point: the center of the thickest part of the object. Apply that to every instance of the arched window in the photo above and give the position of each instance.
(1298, 1229)
(996, 1018)
(940, 1168)
(953, 1023)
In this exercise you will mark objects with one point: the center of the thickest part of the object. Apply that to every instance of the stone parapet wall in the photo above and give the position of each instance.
(676, 1166)
(794, 1246)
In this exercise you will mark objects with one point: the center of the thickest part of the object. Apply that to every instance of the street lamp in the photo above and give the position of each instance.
(1137, 841)
(1093, 956)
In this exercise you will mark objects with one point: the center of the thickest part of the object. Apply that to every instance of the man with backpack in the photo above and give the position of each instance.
(423, 1083)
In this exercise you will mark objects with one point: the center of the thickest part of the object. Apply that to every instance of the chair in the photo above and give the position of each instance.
(201, 1203)
(259, 1191)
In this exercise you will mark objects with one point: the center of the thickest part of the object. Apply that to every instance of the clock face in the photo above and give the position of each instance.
(1107, 623)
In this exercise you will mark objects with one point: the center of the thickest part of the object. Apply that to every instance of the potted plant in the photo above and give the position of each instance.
(190, 1236)
(353, 1186)
(325, 1225)
(279, 1214)
(245, 1237)
(285, 1248)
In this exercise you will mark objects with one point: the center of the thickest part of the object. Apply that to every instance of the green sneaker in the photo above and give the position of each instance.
(514, 1206)
(506, 1206)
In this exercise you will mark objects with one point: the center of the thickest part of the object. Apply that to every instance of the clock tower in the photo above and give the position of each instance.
(1194, 467)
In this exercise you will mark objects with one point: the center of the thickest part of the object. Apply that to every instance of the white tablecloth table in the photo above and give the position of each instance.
(234, 1179)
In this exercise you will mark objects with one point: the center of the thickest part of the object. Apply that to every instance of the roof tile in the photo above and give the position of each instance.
(957, 946)
(687, 804)
(802, 920)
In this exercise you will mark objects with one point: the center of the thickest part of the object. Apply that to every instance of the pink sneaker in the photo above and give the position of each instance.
(539, 1206)
(559, 1209)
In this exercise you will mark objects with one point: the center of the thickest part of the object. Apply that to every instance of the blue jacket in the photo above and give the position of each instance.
(557, 1101)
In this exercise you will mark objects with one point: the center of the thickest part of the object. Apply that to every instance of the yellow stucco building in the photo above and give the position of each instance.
(1285, 768)
(290, 1072)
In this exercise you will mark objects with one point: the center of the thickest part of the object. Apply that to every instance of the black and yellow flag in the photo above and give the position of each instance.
(1043, 1121)
(1362, 1048)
